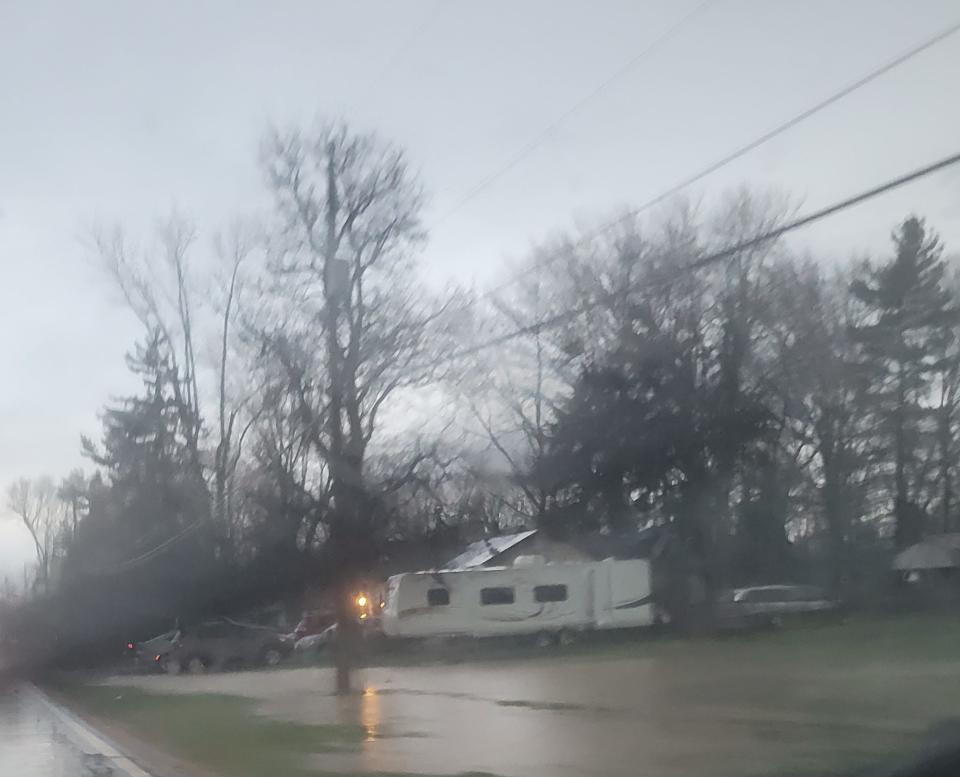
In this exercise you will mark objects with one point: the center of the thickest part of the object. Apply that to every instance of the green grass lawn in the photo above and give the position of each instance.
(857, 639)
(218, 732)
(918, 637)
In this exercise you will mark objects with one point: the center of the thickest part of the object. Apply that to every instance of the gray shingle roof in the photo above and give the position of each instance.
(479, 553)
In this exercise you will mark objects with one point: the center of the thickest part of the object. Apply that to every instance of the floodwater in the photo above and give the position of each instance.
(31, 744)
(679, 715)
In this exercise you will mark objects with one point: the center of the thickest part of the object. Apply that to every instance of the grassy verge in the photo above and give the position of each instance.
(857, 639)
(907, 639)
(220, 733)
(217, 732)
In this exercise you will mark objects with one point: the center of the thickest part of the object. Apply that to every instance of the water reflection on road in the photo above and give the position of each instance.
(31, 745)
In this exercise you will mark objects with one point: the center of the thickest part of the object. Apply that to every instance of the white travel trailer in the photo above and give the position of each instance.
(527, 598)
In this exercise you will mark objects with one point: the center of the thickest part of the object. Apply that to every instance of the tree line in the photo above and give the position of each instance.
(309, 402)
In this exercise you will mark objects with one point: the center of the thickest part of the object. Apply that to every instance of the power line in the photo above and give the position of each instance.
(156, 550)
(750, 146)
(800, 117)
(712, 258)
(532, 144)
(388, 64)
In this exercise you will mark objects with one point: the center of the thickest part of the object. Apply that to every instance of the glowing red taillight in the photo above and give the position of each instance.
(129, 646)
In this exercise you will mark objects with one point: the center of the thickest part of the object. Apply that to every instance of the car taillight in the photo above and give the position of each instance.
(156, 658)
(130, 646)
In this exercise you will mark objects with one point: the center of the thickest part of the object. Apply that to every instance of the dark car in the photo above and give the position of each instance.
(771, 605)
(144, 655)
(224, 644)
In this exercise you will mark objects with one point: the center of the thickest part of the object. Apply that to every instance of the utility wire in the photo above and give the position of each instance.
(521, 153)
(712, 258)
(398, 53)
(156, 550)
(732, 156)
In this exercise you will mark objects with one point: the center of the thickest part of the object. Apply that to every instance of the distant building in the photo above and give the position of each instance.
(932, 568)
(936, 552)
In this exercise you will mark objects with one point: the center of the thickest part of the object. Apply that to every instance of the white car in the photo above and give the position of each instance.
(316, 641)
(771, 604)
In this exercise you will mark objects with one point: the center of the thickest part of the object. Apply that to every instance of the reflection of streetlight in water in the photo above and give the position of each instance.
(370, 713)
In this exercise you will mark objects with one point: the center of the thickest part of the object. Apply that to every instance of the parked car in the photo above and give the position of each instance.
(316, 642)
(223, 644)
(771, 605)
(144, 654)
(368, 628)
(313, 623)
(317, 628)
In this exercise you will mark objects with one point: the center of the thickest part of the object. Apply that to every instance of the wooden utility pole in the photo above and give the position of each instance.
(344, 472)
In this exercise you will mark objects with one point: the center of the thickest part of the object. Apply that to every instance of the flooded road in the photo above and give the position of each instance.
(31, 742)
(671, 714)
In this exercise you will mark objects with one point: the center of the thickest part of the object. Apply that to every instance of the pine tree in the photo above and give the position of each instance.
(155, 488)
(909, 325)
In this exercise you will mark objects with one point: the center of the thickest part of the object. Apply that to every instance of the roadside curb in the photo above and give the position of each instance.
(91, 741)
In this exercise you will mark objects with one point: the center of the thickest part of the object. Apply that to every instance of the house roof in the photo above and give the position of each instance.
(624, 544)
(939, 551)
(479, 553)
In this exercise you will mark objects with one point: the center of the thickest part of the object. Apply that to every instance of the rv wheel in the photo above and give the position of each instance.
(660, 617)
(545, 639)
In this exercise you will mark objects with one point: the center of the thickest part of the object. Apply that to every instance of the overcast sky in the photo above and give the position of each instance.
(124, 110)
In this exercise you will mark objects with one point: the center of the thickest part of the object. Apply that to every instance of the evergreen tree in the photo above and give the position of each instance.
(902, 346)
(156, 487)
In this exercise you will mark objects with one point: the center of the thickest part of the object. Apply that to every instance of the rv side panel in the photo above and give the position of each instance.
(623, 595)
(488, 601)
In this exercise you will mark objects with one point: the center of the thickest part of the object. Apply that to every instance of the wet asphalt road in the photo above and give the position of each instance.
(31, 742)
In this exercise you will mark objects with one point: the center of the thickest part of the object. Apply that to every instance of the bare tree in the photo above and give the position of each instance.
(292, 487)
(356, 328)
(73, 492)
(813, 375)
(234, 398)
(513, 392)
(182, 302)
(35, 503)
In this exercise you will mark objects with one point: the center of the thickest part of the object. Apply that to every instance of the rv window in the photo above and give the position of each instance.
(550, 593)
(496, 596)
(438, 596)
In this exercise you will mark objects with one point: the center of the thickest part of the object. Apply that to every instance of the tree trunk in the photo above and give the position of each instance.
(835, 515)
(946, 479)
(345, 469)
(907, 528)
